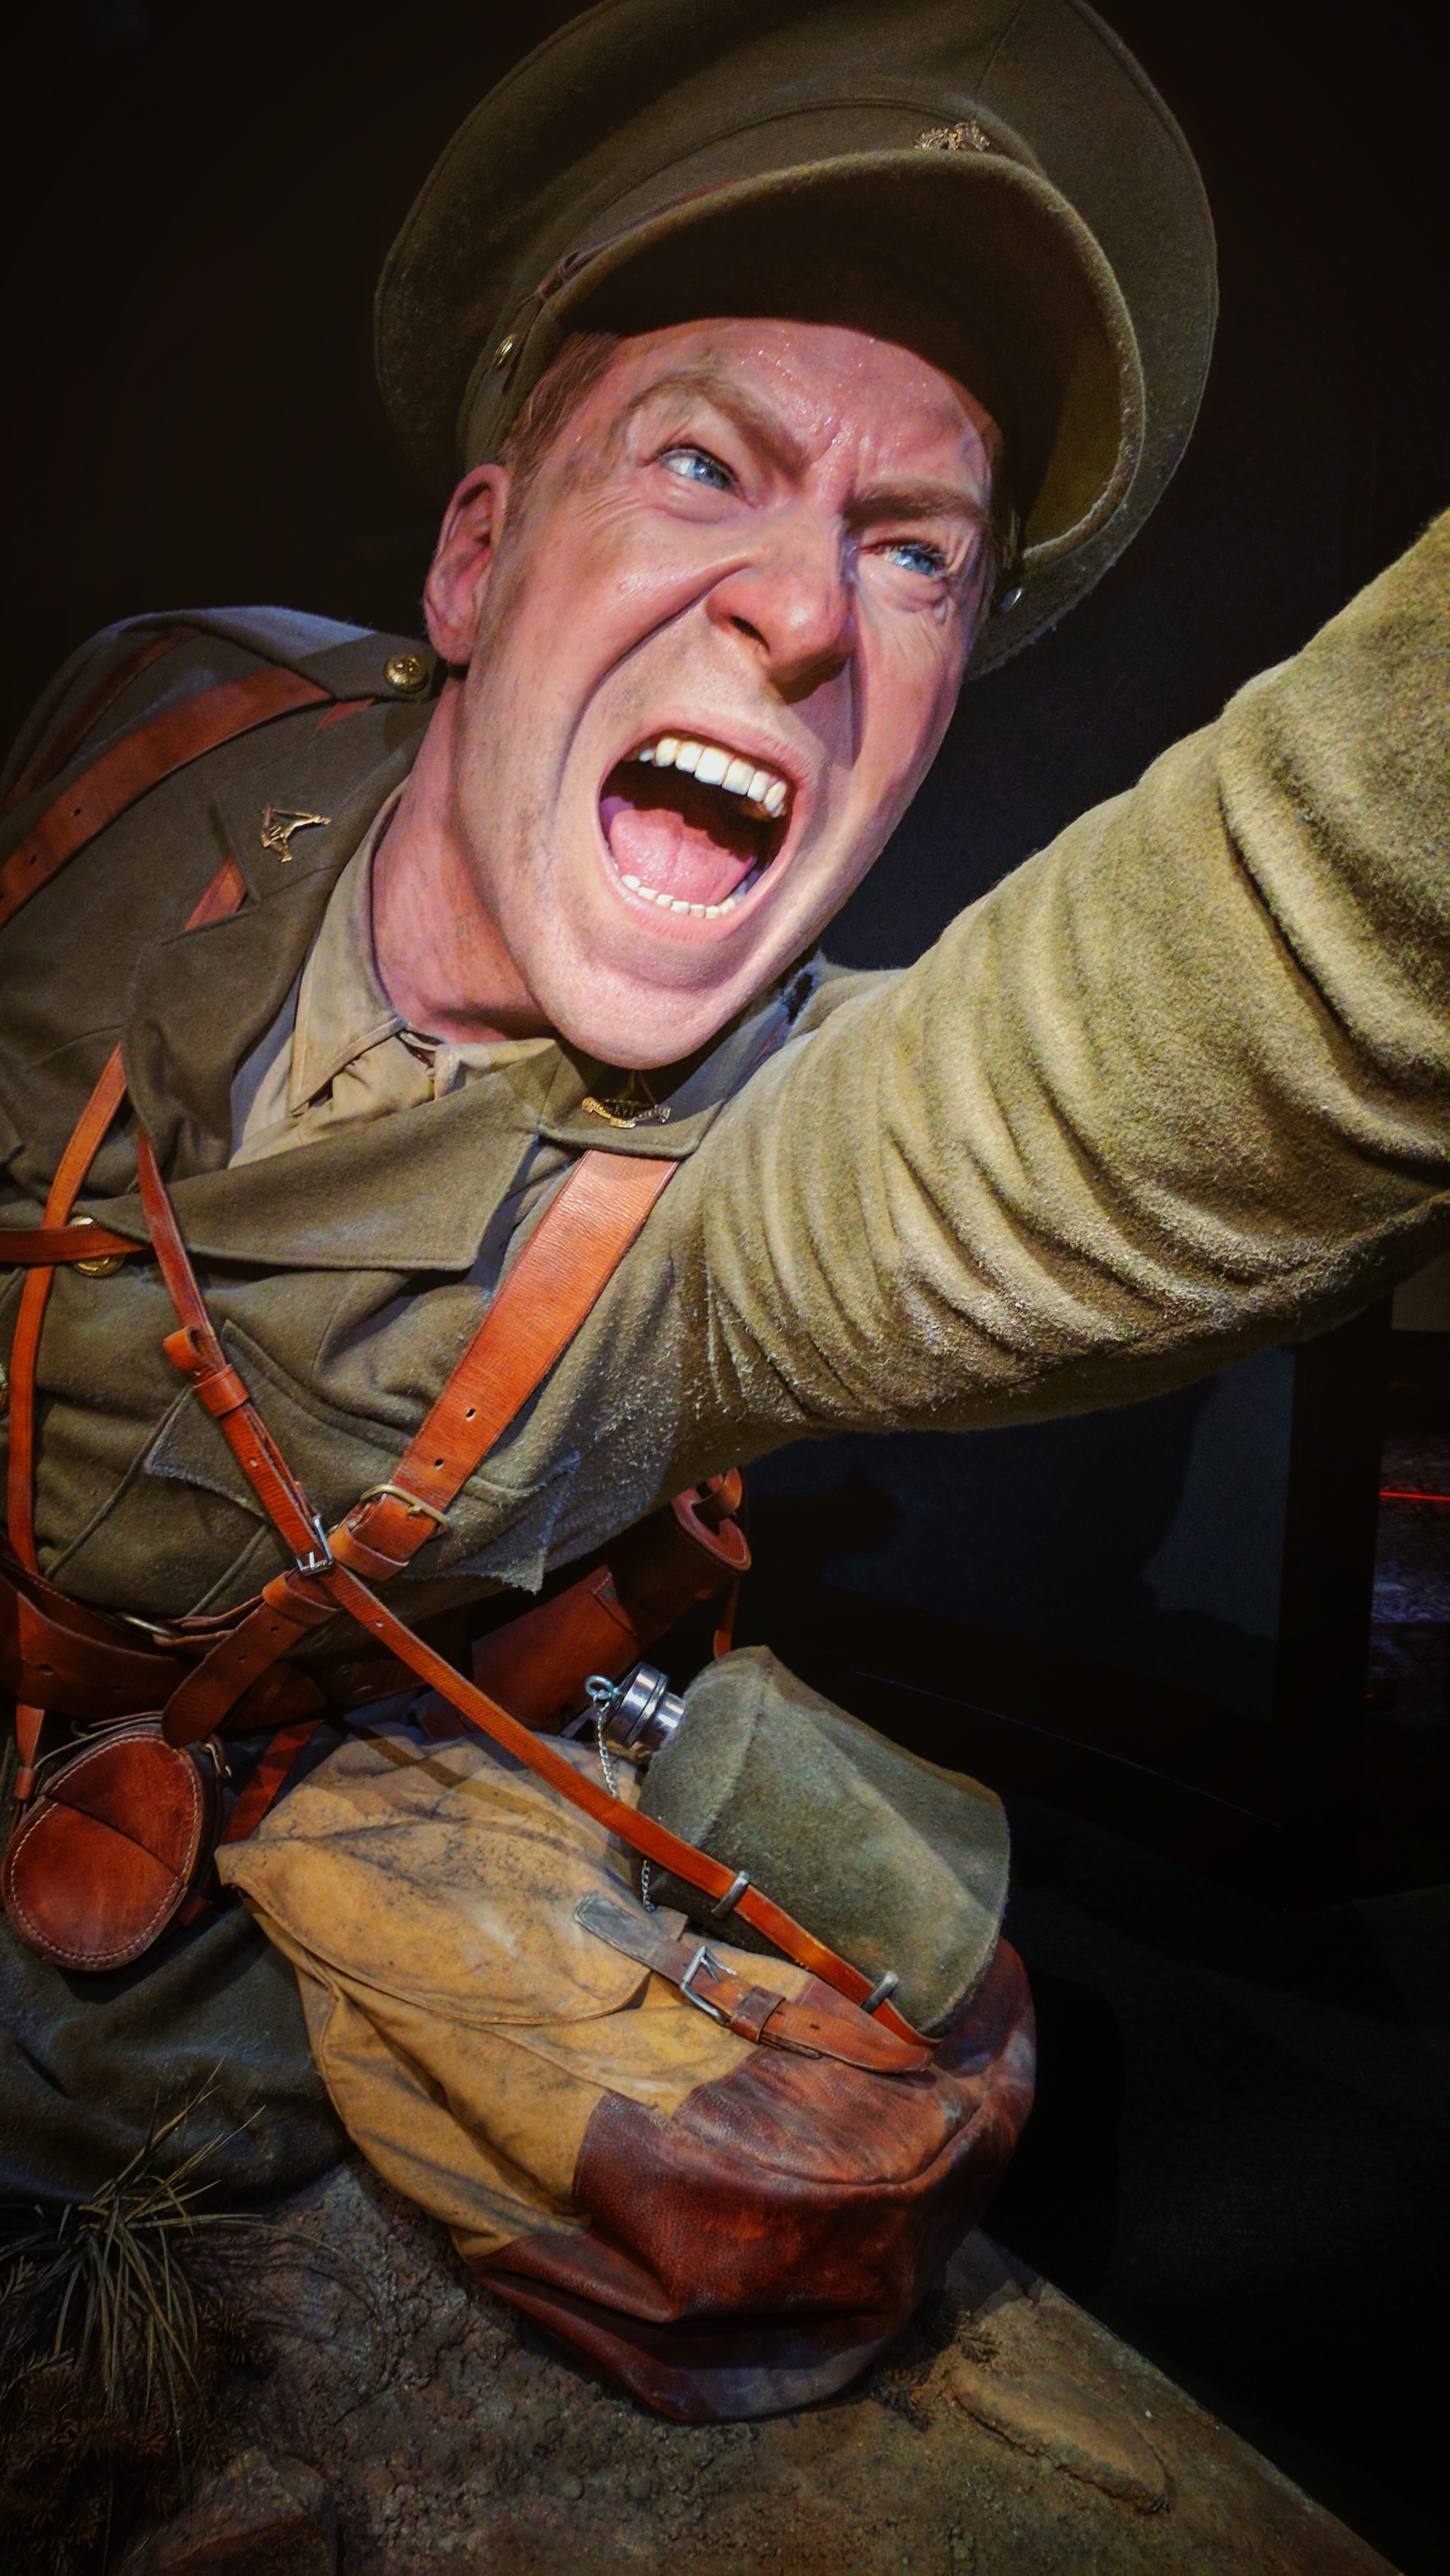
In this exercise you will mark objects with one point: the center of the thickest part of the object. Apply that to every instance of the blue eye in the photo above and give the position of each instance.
(697, 465)
(914, 555)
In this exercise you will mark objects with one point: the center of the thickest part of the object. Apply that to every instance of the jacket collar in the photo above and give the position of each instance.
(417, 1191)
(203, 999)
(413, 1191)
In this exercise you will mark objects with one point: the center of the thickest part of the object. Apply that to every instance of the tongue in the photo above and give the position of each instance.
(678, 839)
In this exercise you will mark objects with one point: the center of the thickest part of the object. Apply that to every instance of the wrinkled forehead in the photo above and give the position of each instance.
(808, 396)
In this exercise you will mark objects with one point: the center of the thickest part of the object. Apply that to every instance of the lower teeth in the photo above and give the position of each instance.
(672, 903)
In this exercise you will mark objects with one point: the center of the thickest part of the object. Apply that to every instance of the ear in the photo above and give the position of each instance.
(457, 584)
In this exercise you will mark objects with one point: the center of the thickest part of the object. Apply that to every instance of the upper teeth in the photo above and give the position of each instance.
(714, 767)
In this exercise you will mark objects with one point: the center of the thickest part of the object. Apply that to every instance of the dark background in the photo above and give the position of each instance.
(1236, 2159)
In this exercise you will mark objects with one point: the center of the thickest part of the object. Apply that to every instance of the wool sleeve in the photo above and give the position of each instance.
(1177, 1088)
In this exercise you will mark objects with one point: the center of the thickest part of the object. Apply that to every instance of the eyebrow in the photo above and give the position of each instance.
(711, 385)
(918, 501)
(891, 501)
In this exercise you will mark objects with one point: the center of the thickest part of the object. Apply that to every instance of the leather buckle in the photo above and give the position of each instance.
(731, 1897)
(400, 1494)
(703, 1958)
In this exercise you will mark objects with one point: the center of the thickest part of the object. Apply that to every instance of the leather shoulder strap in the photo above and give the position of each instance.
(568, 1259)
(562, 1270)
(61, 747)
(196, 1351)
(223, 896)
(303, 1596)
(551, 1288)
(139, 761)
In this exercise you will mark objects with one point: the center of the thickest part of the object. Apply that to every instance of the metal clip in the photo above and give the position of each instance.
(879, 1993)
(703, 1958)
(731, 1897)
(320, 1559)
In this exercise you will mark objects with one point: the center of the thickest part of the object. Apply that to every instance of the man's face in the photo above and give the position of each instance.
(717, 645)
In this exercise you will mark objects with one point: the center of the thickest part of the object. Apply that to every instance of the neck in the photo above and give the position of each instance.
(441, 959)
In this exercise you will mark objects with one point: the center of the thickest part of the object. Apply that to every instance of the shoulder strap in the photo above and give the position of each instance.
(562, 1270)
(59, 748)
(550, 1289)
(564, 1266)
(54, 1240)
(222, 896)
(140, 761)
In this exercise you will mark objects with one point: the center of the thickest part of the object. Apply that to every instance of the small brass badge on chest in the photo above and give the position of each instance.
(634, 1106)
(279, 822)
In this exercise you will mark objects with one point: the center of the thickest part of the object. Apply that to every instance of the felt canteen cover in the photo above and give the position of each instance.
(898, 1865)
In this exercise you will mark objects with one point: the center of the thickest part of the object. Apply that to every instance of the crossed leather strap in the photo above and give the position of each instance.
(558, 1276)
(573, 1252)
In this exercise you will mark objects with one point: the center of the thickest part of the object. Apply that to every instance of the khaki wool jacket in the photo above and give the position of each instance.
(1177, 1088)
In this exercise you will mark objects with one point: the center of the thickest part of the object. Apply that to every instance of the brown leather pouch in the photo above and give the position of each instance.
(112, 1846)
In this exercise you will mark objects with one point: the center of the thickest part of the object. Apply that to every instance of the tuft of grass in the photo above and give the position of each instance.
(978, 2342)
(118, 2333)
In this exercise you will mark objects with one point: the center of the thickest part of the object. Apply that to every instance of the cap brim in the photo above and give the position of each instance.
(979, 263)
(1005, 158)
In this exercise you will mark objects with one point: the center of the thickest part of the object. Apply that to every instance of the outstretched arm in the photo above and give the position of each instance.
(1178, 1087)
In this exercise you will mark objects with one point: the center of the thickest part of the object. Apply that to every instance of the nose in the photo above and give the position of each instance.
(792, 604)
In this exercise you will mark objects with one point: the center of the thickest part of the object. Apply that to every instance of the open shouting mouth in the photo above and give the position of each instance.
(692, 826)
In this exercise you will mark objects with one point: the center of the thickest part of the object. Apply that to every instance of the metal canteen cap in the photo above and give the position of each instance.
(641, 1713)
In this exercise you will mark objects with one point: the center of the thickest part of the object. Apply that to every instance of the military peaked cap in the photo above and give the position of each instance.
(994, 183)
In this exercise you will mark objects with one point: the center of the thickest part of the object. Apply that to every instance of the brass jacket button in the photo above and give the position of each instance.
(407, 673)
(105, 1264)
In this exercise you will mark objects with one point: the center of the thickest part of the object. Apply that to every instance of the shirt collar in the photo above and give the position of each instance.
(341, 1005)
(343, 1010)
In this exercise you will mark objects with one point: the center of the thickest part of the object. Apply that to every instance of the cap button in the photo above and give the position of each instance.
(406, 674)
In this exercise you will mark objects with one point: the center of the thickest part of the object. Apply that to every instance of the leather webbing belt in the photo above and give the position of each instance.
(556, 1280)
(554, 1283)
(550, 1289)
(60, 748)
(139, 761)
